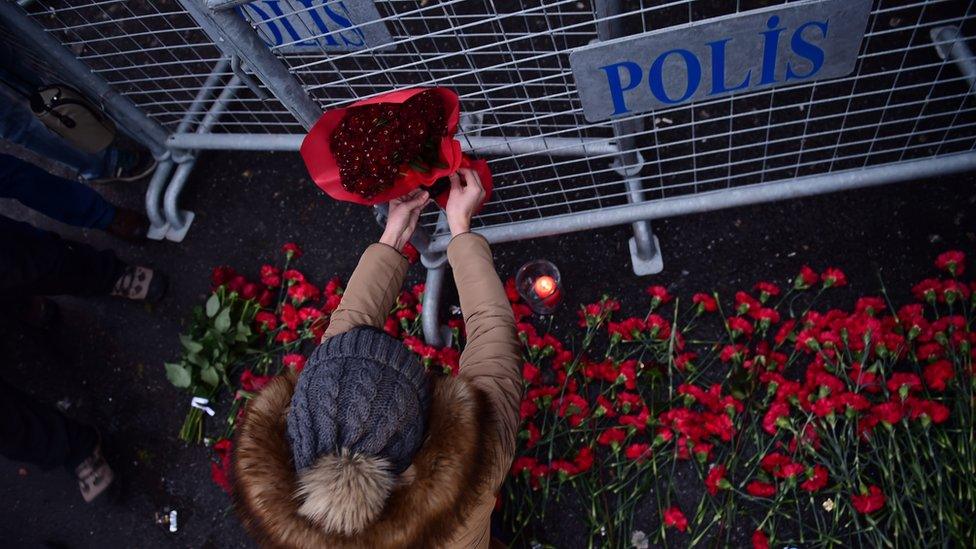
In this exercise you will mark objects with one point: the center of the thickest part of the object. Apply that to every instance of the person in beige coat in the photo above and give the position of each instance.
(363, 448)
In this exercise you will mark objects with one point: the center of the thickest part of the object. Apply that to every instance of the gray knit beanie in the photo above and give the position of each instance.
(361, 393)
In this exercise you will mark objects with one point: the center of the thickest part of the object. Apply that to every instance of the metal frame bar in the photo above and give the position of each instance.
(130, 119)
(726, 198)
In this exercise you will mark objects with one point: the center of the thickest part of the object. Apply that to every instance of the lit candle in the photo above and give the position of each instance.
(544, 286)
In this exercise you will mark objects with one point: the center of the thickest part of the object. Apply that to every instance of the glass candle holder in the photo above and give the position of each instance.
(539, 285)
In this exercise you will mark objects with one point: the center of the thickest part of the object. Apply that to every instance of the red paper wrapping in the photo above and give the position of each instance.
(322, 166)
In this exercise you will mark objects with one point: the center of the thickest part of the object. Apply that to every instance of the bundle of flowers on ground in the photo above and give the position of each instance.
(706, 420)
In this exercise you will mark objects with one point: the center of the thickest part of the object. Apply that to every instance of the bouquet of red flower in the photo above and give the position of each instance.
(384, 147)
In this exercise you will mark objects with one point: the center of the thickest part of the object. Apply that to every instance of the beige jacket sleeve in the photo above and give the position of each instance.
(492, 356)
(372, 290)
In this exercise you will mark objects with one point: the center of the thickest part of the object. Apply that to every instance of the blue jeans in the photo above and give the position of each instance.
(19, 125)
(60, 199)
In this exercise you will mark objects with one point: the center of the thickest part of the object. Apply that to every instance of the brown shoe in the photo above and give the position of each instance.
(94, 475)
(140, 284)
(129, 225)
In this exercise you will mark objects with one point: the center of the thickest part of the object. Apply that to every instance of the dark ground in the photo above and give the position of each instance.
(105, 360)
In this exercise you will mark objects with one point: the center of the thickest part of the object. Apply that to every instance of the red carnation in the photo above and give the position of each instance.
(705, 303)
(286, 336)
(265, 320)
(292, 251)
(220, 469)
(952, 261)
(411, 253)
(294, 361)
(937, 374)
(927, 290)
(637, 451)
(902, 383)
(675, 518)
(739, 326)
(530, 372)
(833, 278)
(817, 479)
(759, 540)
(766, 290)
(659, 295)
(252, 383)
(807, 277)
(761, 489)
(221, 275)
(869, 500)
(888, 412)
(584, 459)
(612, 437)
(270, 276)
(715, 480)
(293, 275)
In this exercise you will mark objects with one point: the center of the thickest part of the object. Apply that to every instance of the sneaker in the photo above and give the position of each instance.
(129, 225)
(94, 475)
(132, 165)
(140, 284)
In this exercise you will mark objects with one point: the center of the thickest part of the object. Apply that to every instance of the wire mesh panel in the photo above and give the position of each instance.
(509, 62)
(154, 53)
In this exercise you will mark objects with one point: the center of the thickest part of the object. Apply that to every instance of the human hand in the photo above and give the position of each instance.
(401, 219)
(464, 200)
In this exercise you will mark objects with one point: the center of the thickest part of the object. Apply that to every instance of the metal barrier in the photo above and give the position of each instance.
(905, 112)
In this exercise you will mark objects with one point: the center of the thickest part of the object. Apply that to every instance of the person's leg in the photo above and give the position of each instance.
(66, 201)
(19, 125)
(35, 262)
(41, 435)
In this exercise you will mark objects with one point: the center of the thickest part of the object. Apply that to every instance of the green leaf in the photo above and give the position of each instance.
(194, 358)
(209, 376)
(190, 345)
(222, 322)
(213, 305)
(177, 375)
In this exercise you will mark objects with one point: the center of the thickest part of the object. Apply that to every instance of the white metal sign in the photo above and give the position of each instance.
(302, 26)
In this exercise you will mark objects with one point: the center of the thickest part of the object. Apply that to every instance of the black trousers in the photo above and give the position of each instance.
(40, 434)
(36, 262)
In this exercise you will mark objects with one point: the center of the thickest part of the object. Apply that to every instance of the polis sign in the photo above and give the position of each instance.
(775, 46)
(305, 26)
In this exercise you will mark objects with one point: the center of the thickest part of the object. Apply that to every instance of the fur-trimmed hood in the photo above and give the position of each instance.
(424, 507)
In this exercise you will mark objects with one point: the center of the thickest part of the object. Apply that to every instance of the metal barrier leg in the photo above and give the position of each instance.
(645, 251)
(950, 44)
(180, 220)
(157, 223)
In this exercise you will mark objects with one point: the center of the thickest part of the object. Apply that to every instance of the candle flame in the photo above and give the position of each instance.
(544, 286)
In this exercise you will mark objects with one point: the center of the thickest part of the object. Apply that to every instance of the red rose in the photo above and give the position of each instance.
(869, 501)
(952, 261)
(715, 480)
(759, 540)
(292, 251)
(705, 303)
(937, 374)
(675, 518)
(833, 278)
(761, 489)
(294, 361)
(807, 277)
